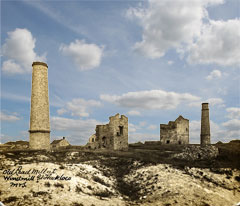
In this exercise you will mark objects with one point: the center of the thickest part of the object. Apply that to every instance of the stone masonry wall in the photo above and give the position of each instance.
(39, 140)
(119, 127)
(111, 136)
(176, 132)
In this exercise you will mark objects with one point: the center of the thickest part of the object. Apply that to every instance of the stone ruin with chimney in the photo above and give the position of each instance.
(114, 135)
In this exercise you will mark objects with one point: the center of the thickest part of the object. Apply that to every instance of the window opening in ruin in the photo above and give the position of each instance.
(179, 142)
(121, 130)
(168, 141)
(186, 129)
(104, 141)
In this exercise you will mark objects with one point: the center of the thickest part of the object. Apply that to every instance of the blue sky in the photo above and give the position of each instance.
(150, 60)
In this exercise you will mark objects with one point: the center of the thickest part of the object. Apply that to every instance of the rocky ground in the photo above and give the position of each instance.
(187, 176)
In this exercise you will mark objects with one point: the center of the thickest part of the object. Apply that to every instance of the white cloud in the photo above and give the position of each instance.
(233, 128)
(79, 130)
(169, 24)
(225, 131)
(212, 102)
(61, 111)
(194, 131)
(24, 135)
(10, 67)
(132, 128)
(85, 56)
(142, 137)
(233, 124)
(142, 123)
(234, 112)
(217, 132)
(185, 26)
(222, 91)
(134, 113)
(170, 62)
(219, 43)
(152, 127)
(8, 117)
(19, 49)
(152, 99)
(216, 101)
(215, 74)
(79, 107)
(14, 97)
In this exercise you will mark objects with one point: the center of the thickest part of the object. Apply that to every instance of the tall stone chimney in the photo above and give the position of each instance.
(39, 117)
(205, 125)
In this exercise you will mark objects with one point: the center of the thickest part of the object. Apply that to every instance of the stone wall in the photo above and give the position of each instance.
(113, 135)
(175, 132)
(39, 140)
(63, 143)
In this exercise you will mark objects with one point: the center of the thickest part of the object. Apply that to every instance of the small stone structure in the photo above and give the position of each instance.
(39, 117)
(176, 132)
(92, 139)
(59, 143)
(113, 135)
(205, 125)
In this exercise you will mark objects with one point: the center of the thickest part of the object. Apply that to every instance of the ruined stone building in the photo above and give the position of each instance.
(59, 143)
(113, 135)
(175, 132)
(39, 116)
(92, 139)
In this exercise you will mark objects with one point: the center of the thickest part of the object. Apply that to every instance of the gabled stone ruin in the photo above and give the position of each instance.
(175, 132)
(113, 135)
(61, 143)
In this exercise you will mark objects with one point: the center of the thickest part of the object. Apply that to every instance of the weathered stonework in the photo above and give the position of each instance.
(39, 117)
(205, 125)
(59, 143)
(113, 135)
(176, 132)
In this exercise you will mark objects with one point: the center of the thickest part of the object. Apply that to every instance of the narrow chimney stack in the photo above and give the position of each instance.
(39, 116)
(205, 125)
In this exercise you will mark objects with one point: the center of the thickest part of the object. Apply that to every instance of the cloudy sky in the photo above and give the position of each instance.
(151, 60)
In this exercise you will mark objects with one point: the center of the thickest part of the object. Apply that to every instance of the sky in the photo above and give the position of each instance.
(150, 60)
